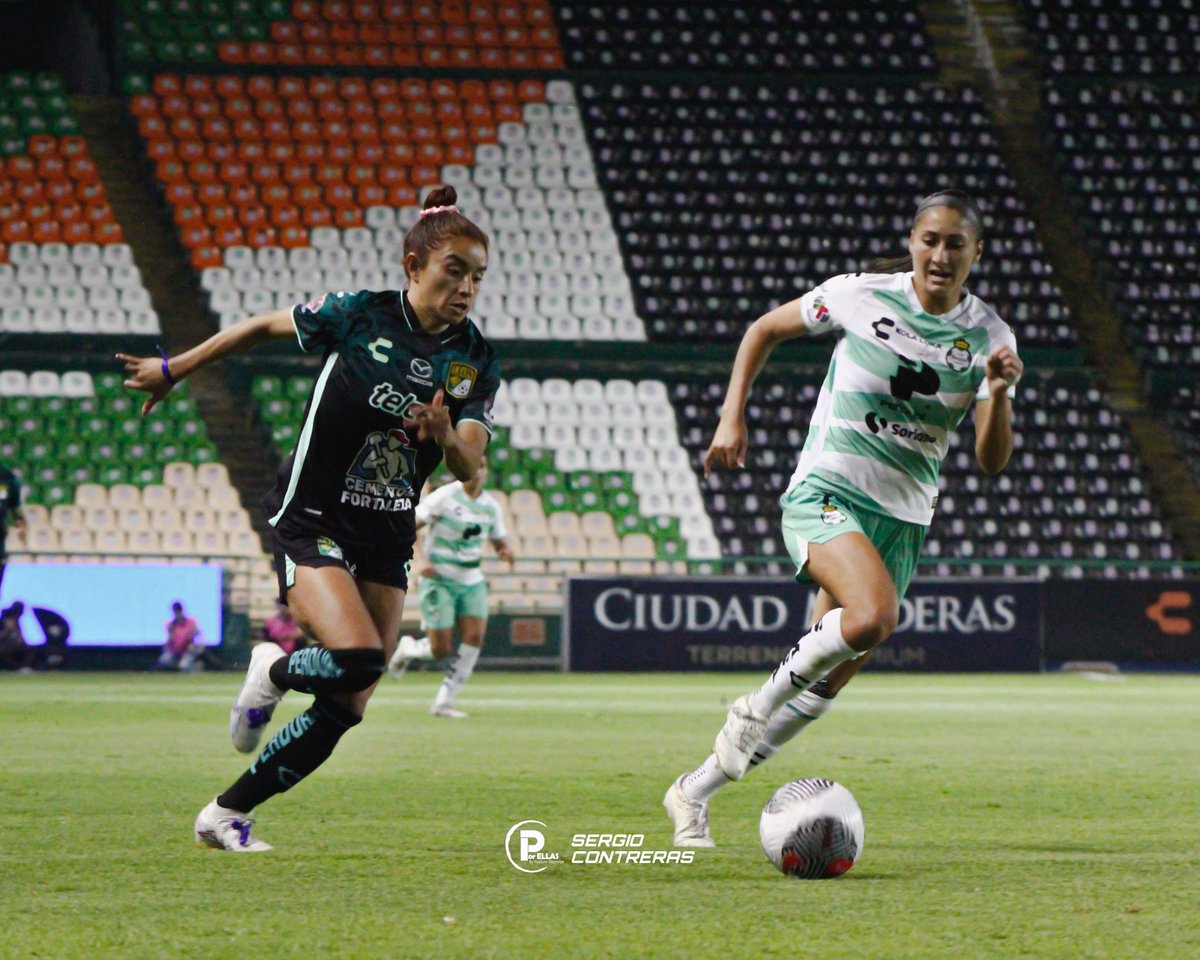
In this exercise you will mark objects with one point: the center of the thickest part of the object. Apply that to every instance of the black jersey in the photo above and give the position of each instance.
(357, 469)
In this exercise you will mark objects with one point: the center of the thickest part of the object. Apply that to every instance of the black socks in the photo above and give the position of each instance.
(292, 754)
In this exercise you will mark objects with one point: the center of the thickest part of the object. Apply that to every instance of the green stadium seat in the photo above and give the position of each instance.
(264, 387)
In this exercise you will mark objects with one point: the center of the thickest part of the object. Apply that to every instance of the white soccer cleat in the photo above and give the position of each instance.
(739, 737)
(402, 658)
(251, 711)
(689, 816)
(228, 830)
(445, 710)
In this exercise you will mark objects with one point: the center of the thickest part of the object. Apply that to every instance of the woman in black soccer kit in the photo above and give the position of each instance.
(407, 380)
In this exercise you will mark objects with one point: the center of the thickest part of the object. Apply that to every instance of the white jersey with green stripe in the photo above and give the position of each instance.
(458, 525)
(900, 381)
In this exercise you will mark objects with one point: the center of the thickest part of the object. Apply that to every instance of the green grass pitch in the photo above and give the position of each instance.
(1007, 817)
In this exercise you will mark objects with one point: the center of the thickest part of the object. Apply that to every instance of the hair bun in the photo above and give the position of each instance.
(443, 196)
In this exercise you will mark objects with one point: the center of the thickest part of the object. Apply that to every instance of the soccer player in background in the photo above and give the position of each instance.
(914, 351)
(407, 381)
(458, 517)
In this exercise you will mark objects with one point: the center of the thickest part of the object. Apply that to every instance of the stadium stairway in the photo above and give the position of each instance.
(119, 156)
(987, 46)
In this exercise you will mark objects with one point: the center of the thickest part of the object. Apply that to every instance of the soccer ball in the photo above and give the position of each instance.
(812, 829)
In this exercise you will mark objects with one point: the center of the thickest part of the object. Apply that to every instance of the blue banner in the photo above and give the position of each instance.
(1135, 623)
(747, 623)
(116, 605)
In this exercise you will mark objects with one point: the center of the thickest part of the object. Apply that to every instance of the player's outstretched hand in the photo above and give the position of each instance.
(1003, 370)
(433, 419)
(728, 447)
(145, 374)
(506, 554)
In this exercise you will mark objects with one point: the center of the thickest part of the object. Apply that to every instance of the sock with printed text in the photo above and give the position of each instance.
(813, 656)
(295, 751)
(318, 670)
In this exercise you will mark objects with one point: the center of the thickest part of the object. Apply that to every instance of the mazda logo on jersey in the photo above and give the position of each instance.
(422, 368)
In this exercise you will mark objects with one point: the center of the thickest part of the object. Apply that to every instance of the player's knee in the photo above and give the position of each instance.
(359, 668)
(870, 623)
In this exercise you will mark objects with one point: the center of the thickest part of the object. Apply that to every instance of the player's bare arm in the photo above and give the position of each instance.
(993, 416)
(729, 443)
(157, 375)
(503, 549)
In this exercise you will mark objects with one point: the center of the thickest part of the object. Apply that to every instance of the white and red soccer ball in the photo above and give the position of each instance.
(812, 829)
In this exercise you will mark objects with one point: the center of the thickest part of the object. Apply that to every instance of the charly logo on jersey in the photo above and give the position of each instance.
(381, 476)
(958, 356)
(460, 380)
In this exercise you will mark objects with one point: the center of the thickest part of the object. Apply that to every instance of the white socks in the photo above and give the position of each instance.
(457, 673)
(813, 656)
(787, 722)
(705, 780)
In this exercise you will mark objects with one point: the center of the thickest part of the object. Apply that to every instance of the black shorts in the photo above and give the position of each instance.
(303, 549)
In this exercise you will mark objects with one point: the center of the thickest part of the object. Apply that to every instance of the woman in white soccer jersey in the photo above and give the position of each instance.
(457, 518)
(914, 351)
(407, 380)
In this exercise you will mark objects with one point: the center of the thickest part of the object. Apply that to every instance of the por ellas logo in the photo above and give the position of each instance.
(523, 845)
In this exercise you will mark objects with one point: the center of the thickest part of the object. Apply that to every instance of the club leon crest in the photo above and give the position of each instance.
(460, 380)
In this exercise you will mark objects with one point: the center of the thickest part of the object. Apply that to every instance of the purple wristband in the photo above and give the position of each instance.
(166, 371)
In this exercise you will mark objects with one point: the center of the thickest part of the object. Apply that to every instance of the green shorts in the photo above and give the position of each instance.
(444, 601)
(812, 514)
